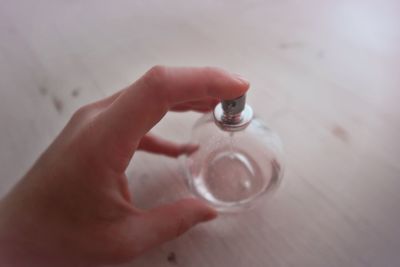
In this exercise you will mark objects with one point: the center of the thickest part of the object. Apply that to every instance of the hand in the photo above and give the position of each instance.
(74, 208)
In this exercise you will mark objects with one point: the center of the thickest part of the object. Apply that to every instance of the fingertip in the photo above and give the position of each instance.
(210, 214)
(238, 86)
(201, 211)
(189, 149)
(172, 220)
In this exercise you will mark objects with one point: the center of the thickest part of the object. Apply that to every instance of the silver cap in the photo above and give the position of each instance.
(234, 106)
(234, 114)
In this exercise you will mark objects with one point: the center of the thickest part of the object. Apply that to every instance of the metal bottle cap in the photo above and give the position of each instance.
(234, 106)
(234, 114)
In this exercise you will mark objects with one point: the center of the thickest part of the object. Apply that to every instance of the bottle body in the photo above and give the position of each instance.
(232, 169)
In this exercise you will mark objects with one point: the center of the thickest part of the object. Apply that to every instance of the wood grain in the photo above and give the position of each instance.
(324, 75)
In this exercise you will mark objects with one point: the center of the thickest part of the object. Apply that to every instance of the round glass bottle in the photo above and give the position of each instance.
(239, 159)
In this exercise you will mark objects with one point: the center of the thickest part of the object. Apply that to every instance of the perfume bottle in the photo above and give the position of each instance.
(239, 159)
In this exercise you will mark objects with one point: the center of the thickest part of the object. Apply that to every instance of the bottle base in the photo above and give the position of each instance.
(230, 180)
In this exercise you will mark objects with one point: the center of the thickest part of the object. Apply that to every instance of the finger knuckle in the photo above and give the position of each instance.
(81, 112)
(155, 82)
(155, 76)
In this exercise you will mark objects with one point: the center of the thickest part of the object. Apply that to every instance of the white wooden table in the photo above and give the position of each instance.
(325, 75)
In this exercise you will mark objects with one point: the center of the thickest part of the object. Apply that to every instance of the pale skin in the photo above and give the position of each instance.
(74, 208)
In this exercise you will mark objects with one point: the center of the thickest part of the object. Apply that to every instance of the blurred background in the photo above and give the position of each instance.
(324, 75)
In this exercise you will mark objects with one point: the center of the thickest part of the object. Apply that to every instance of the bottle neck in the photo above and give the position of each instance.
(232, 118)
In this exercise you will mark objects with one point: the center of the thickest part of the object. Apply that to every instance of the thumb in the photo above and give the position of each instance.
(170, 221)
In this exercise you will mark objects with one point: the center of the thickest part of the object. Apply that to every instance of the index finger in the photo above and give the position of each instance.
(146, 101)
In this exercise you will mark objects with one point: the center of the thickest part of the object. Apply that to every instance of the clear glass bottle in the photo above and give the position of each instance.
(239, 159)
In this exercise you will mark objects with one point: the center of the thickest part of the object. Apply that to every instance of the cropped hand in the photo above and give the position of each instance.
(73, 208)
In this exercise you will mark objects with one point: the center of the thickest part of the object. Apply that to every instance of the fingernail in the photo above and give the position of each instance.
(241, 79)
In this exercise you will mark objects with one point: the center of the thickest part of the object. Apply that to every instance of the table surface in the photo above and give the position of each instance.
(324, 75)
